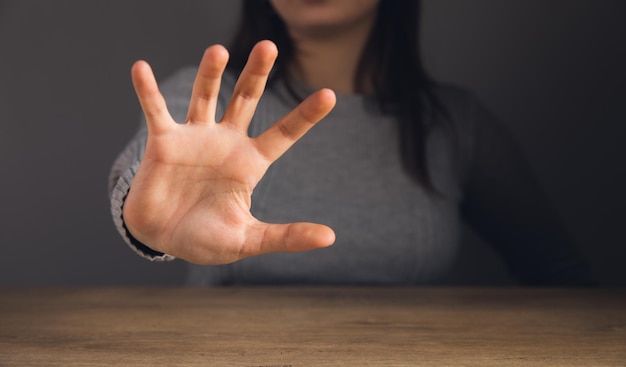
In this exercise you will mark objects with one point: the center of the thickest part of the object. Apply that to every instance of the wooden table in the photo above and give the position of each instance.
(274, 327)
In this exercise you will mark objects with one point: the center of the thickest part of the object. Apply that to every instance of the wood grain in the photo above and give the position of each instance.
(273, 327)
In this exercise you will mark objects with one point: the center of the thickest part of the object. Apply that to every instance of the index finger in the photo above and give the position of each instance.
(276, 140)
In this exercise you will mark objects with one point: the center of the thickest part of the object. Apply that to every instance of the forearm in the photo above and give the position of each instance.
(120, 179)
(507, 206)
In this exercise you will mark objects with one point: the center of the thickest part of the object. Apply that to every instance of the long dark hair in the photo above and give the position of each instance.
(391, 60)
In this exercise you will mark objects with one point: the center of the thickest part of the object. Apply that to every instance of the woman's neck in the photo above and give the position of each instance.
(330, 60)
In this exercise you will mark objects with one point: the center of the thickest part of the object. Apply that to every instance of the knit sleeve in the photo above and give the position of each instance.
(506, 206)
(177, 92)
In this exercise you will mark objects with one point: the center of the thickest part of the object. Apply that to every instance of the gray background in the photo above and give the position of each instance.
(551, 70)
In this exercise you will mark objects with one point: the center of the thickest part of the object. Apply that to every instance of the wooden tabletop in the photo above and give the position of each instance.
(277, 327)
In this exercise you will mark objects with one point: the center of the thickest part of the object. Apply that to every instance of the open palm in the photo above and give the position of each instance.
(191, 195)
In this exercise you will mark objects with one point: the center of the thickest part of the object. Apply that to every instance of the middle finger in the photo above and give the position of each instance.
(250, 85)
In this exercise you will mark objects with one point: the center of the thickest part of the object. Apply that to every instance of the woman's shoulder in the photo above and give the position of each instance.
(471, 120)
(463, 108)
(456, 100)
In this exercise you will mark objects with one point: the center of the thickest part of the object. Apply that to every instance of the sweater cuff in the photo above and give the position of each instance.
(118, 196)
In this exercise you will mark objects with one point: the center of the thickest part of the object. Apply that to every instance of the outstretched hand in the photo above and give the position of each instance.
(191, 195)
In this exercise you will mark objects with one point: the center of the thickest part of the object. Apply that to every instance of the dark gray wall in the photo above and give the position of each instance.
(551, 70)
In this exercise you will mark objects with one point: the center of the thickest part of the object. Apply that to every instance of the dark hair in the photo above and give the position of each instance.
(391, 59)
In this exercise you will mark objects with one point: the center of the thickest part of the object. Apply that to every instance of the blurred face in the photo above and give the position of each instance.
(324, 17)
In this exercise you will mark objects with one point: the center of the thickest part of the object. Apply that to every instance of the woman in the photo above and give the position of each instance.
(395, 166)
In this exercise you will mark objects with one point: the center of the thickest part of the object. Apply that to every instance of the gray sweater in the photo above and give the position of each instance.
(346, 173)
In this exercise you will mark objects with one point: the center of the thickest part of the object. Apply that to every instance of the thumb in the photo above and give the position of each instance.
(289, 237)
